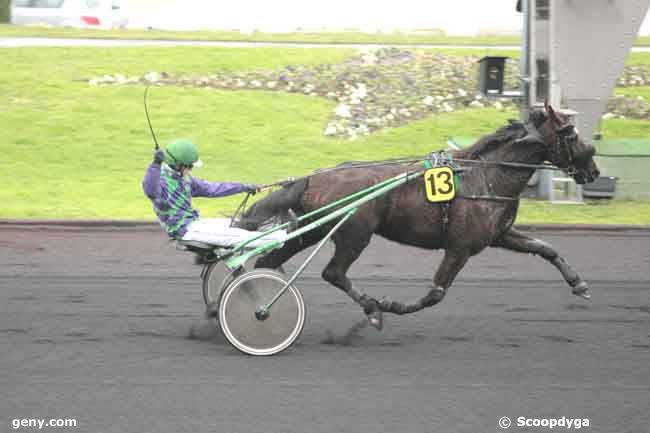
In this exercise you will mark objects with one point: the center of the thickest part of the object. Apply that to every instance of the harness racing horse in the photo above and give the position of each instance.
(496, 170)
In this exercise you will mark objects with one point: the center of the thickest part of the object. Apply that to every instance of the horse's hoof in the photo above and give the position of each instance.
(376, 320)
(582, 290)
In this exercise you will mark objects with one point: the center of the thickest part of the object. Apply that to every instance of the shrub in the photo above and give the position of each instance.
(5, 11)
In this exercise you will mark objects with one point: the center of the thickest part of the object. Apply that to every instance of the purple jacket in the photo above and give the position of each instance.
(171, 195)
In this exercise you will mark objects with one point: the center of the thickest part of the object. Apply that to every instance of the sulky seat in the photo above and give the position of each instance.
(195, 246)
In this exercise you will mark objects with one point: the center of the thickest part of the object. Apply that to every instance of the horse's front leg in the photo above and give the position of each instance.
(516, 241)
(452, 263)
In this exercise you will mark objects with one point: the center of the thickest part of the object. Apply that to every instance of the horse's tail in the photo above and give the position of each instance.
(282, 204)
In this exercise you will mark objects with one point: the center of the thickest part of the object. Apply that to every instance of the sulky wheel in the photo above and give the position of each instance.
(217, 277)
(251, 328)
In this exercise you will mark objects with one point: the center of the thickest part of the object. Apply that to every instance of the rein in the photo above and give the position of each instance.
(561, 145)
(512, 164)
(408, 160)
(405, 160)
(359, 164)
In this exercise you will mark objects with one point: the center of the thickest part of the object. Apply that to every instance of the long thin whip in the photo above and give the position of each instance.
(146, 112)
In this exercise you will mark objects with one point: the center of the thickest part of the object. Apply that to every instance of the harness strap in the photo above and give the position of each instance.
(442, 159)
(240, 209)
(444, 208)
(488, 197)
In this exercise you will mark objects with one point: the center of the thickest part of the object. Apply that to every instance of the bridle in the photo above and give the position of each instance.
(562, 148)
(562, 151)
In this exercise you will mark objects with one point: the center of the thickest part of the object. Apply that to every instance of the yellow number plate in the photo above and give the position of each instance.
(439, 183)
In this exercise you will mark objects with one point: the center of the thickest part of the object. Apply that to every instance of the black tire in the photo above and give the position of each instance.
(217, 277)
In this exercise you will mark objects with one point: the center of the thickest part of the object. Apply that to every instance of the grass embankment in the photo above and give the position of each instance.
(79, 151)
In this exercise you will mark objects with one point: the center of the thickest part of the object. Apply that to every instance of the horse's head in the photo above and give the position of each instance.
(564, 147)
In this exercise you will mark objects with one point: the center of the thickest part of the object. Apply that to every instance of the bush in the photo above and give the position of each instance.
(5, 11)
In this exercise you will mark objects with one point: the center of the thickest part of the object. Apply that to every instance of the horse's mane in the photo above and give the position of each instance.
(513, 131)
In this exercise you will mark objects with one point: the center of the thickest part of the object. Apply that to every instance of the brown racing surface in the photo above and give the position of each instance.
(107, 327)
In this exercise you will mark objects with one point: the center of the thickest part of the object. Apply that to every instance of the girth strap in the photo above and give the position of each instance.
(444, 209)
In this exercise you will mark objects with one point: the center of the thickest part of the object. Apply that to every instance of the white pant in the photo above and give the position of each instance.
(216, 231)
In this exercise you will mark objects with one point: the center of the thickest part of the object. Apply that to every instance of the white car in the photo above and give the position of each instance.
(103, 14)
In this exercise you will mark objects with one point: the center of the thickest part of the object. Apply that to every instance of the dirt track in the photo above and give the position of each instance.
(106, 327)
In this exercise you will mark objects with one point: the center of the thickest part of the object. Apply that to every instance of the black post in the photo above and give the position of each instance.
(491, 75)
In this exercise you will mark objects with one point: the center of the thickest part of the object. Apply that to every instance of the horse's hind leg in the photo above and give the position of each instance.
(451, 264)
(516, 241)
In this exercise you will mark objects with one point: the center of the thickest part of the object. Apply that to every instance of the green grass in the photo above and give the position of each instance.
(638, 59)
(348, 37)
(625, 128)
(593, 212)
(479, 52)
(80, 151)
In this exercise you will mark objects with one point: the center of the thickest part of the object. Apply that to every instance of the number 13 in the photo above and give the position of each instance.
(439, 184)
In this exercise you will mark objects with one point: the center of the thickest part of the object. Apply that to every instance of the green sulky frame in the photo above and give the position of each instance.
(347, 206)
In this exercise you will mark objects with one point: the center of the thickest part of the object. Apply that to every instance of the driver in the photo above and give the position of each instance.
(169, 186)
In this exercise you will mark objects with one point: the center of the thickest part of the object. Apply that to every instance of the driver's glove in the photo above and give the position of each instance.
(159, 156)
(250, 188)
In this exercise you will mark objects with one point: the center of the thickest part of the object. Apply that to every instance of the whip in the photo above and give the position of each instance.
(146, 112)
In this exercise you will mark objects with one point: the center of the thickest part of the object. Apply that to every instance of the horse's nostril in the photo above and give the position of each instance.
(596, 173)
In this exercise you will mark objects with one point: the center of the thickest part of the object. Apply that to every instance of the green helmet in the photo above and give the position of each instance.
(182, 152)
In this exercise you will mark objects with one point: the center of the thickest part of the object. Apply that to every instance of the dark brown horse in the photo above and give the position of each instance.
(495, 171)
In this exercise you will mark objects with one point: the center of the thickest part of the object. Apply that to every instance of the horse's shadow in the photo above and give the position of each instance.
(348, 337)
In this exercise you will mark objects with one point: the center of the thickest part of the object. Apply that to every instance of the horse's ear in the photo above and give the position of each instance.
(551, 113)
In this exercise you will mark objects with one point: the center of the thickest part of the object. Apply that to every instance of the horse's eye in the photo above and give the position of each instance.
(567, 130)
